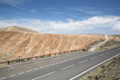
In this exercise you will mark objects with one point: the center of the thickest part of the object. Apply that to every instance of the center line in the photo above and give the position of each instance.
(12, 75)
(20, 73)
(101, 55)
(57, 62)
(42, 67)
(29, 71)
(44, 75)
(53, 64)
(47, 65)
(68, 67)
(64, 60)
(61, 61)
(107, 53)
(94, 57)
(2, 78)
(83, 61)
(36, 69)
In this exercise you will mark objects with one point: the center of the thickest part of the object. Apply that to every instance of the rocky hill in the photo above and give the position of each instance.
(16, 45)
(18, 29)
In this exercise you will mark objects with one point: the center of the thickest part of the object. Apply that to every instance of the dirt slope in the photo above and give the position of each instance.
(15, 45)
(17, 42)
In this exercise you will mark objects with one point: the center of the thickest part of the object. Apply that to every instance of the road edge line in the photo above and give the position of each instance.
(93, 67)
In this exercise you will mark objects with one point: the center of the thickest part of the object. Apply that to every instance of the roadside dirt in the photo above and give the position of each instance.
(108, 71)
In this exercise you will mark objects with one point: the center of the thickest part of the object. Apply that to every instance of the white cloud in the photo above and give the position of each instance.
(88, 10)
(96, 24)
(33, 11)
(116, 26)
(15, 3)
(12, 2)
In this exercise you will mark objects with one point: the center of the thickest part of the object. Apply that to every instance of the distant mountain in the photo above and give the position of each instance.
(16, 28)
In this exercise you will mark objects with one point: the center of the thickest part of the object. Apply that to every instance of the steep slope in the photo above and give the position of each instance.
(15, 45)
(16, 28)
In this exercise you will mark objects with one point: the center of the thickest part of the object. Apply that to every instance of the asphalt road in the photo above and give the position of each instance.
(67, 69)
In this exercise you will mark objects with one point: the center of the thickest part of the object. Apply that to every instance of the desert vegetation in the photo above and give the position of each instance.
(108, 45)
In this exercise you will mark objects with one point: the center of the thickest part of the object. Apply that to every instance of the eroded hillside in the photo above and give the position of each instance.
(15, 45)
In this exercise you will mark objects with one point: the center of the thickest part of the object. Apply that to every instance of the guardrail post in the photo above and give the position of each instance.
(36, 57)
(60, 53)
(28, 59)
(19, 60)
(8, 62)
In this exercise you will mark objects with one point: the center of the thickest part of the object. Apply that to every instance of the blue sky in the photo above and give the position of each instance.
(62, 16)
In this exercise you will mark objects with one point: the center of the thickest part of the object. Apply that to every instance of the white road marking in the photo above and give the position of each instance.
(42, 67)
(12, 75)
(93, 67)
(101, 55)
(57, 62)
(107, 53)
(20, 73)
(29, 71)
(83, 61)
(64, 60)
(61, 62)
(77, 57)
(68, 59)
(3, 78)
(94, 57)
(53, 64)
(43, 75)
(36, 69)
(74, 58)
(68, 67)
(47, 65)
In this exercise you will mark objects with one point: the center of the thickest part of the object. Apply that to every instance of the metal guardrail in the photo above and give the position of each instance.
(35, 57)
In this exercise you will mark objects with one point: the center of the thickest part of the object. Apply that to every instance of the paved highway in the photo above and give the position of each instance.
(67, 69)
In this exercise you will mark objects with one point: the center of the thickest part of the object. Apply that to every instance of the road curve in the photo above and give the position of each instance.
(69, 69)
